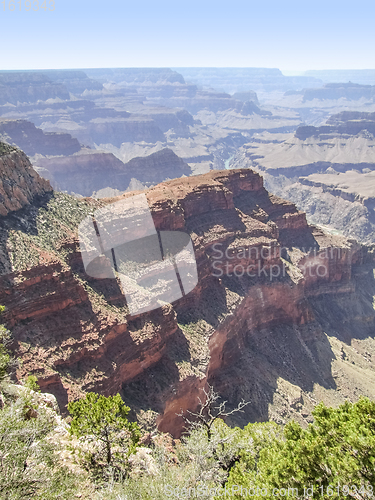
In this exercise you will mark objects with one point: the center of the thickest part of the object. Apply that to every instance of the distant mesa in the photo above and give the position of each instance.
(33, 140)
(244, 79)
(136, 75)
(335, 91)
(77, 82)
(29, 87)
(250, 95)
(328, 171)
(346, 122)
(91, 172)
(250, 108)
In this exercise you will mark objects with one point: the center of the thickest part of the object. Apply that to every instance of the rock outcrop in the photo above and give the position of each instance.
(32, 140)
(29, 87)
(118, 130)
(136, 76)
(256, 326)
(77, 82)
(244, 79)
(346, 123)
(85, 173)
(20, 185)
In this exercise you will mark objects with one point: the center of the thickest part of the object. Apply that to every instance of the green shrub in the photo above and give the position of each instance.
(32, 383)
(5, 357)
(102, 422)
(337, 449)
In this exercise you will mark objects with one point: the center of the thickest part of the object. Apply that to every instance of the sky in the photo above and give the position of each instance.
(289, 35)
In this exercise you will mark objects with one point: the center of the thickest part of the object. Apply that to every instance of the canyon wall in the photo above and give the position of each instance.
(328, 171)
(19, 183)
(29, 87)
(282, 315)
(33, 140)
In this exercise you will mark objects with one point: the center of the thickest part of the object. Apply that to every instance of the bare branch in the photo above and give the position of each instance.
(208, 413)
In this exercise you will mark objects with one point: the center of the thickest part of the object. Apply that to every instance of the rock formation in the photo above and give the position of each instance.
(350, 91)
(28, 86)
(328, 171)
(19, 183)
(76, 81)
(134, 76)
(32, 140)
(264, 336)
(245, 79)
(92, 170)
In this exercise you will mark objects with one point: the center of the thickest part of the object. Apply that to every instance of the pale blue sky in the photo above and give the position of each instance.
(289, 35)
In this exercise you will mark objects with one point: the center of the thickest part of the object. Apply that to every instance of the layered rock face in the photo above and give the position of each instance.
(136, 76)
(282, 315)
(139, 111)
(328, 171)
(33, 140)
(117, 131)
(346, 123)
(85, 173)
(75, 81)
(18, 86)
(19, 183)
(350, 91)
(244, 79)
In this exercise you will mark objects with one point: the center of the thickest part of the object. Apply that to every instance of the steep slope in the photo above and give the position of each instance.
(19, 183)
(264, 335)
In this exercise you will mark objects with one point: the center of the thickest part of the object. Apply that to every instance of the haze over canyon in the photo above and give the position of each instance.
(277, 172)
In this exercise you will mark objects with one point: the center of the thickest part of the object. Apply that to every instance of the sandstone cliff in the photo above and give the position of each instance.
(19, 183)
(283, 338)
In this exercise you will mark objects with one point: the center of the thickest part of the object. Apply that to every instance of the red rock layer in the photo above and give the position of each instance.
(19, 183)
(74, 333)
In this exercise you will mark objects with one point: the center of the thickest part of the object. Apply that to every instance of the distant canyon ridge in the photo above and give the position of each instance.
(102, 132)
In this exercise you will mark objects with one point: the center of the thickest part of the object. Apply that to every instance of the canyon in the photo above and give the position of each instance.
(298, 329)
(283, 313)
(328, 171)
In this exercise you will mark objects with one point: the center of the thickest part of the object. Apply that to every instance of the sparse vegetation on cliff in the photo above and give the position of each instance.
(98, 454)
(6, 149)
(4, 352)
(47, 229)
